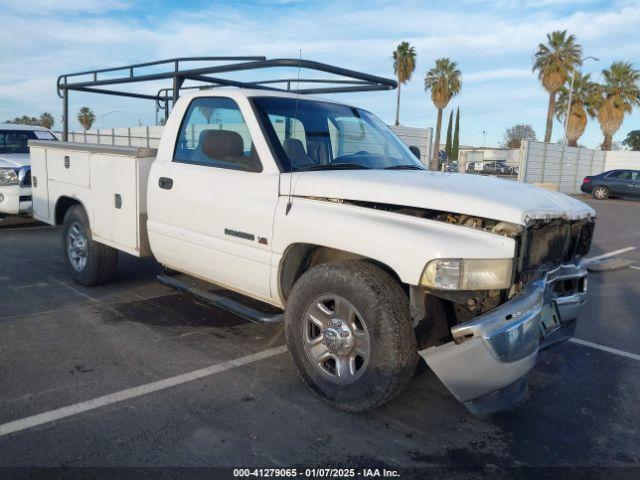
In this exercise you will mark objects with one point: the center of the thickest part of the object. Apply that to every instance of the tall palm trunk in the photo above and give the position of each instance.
(608, 140)
(398, 106)
(436, 143)
(550, 111)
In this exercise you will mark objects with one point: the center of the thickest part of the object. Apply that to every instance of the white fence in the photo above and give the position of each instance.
(150, 137)
(129, 137)
(566, 166)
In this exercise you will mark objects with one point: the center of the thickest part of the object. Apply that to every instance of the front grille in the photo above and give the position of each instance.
(25, 181)
(548, 244)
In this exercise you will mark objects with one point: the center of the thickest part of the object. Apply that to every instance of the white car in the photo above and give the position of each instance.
(316, 208)
(15, 166)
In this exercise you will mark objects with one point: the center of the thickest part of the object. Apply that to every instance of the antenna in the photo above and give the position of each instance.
(295, 120)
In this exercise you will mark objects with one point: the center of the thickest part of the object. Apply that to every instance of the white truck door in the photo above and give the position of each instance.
(211, 205)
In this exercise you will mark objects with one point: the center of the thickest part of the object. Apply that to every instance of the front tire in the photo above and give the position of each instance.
(601, 193)
(90, 263)
(349, 333)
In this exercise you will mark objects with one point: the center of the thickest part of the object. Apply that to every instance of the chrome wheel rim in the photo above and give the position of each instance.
(600, 193)
(77, 247)
(336, 339)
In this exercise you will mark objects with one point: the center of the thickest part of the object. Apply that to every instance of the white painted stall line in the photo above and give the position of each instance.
(70, 410)
(597, 346)
(611, 254)
(634, 267)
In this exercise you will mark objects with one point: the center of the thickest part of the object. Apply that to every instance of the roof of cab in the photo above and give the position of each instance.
(254, 92)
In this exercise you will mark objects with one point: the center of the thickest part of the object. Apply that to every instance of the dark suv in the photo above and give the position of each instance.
(622, 183)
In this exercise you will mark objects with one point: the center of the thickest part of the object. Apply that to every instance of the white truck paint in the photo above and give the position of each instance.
(256, 231)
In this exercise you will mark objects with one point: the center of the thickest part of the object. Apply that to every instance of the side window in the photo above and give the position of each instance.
(214, 133)
(615, 175)
(635, 176)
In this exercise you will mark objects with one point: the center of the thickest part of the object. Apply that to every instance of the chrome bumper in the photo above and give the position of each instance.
(485, 365)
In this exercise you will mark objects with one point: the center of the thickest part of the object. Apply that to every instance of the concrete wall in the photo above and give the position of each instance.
(622, 159)
(566, 166)
(416, 137)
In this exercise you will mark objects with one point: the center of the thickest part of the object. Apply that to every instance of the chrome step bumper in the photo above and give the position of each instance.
(486, 364)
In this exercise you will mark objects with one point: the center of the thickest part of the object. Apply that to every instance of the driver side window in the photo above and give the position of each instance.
(214, 133)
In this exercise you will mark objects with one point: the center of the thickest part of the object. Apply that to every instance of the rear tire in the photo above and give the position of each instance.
(601, 193)
(90, 263)
(349, 333)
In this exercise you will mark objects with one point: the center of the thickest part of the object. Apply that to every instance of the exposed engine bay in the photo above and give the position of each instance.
(540, 246)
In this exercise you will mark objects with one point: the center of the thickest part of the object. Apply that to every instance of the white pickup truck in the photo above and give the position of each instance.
(316, 208)
(15, 169)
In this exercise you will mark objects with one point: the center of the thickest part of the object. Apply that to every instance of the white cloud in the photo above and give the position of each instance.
(36, 7)
(499, 74)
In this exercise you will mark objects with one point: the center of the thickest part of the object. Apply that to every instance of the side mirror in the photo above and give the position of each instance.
(415, 150)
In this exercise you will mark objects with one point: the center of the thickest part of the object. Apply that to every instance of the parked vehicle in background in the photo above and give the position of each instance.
(613, 183)
(451, 167)
(15, 166)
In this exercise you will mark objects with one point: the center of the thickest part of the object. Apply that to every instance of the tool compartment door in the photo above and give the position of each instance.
(114, 193)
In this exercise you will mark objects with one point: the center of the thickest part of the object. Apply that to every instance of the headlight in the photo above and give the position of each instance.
(468, 274)
(8, 176)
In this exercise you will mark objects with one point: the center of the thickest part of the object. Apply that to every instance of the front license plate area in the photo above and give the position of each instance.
(550, 319)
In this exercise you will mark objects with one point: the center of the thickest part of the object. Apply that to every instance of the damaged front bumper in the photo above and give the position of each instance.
(486, 364)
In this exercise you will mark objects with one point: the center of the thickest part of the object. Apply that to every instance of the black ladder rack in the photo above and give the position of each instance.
(181, 69)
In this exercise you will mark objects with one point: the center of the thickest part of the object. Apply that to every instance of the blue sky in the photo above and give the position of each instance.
(492, 41)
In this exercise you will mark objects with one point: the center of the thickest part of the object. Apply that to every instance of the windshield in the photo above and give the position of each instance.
(17, 141)
(313, 135)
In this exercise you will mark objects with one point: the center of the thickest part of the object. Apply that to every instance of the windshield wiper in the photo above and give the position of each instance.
(336, 166)
(404, 167)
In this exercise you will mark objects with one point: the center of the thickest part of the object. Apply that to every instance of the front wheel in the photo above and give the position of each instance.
(90, 263)
(601, 193)
(349, 333)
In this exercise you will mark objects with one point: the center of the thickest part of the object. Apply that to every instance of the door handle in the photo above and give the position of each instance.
(165, 183)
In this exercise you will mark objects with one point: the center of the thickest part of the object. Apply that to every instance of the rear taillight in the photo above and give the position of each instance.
(586, 180)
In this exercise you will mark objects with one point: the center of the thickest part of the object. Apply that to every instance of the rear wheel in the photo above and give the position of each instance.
(90, 263)
(349, 332)
(601, 193)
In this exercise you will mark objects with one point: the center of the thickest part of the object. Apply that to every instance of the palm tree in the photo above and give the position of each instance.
(445, 81)
(46, 120)
(554, 63)
(618, 95)
(404, 63)
(86, 117)
(583, 103)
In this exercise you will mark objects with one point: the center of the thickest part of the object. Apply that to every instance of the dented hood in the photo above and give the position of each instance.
(503, 200)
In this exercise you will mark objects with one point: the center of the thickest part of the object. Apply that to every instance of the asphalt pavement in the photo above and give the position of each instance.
(62, 345)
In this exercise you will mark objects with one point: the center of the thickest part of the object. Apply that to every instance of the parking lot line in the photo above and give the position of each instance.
(70, 410)
(611, 254)
(604, 348)
(634, 267)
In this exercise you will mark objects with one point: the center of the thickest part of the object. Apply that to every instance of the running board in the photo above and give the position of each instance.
(219, 301)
